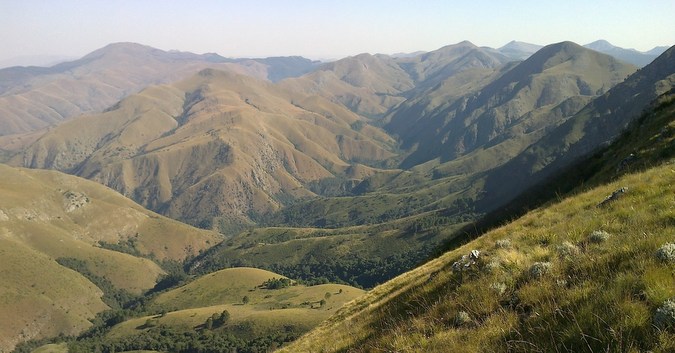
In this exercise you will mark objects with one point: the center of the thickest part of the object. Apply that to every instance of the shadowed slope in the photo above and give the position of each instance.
(598, 123)
(535, 95)
(571, 276)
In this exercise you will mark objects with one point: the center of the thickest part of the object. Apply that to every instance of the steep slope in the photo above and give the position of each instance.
(598, 123)
(429, 69)
(367, 84)
(35, 97)
(522, 103)
(371, 85)
(47, 216)
(456, 138)
(632, 56)
(215, 145)
(573, 276)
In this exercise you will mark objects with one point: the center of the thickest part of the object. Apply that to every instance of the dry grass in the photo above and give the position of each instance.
(601, 298)
(269, 310)
(39, 224)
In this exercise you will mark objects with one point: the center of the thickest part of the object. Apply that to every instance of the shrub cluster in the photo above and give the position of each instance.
(539, 269)
(599, 236)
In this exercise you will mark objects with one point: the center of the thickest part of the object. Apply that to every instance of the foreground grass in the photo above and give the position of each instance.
(593, 294)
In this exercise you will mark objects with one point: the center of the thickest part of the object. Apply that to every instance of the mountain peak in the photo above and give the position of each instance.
(517, 45)
(120, 47)
(600, 45)
(518, 50)
(553, 54)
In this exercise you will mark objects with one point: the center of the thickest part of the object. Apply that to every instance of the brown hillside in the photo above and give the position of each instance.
(47, 215)
(215, 144)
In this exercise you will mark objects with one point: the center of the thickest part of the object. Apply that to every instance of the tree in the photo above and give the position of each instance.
(327, 295)
(223, 318)
(245, 299)
(322, 303)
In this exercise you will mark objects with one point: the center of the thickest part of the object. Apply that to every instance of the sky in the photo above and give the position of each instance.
(321, 29)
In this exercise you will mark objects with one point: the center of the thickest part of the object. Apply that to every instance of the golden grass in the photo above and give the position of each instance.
(189, 306)
(39, 224)
(602, 297)
(52, 348)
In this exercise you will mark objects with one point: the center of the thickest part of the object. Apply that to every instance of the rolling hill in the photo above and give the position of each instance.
(229, 151)
(215, 145)
(452, 140)
(358, 170)
(46, 218)
(581, 273)
(262, 311)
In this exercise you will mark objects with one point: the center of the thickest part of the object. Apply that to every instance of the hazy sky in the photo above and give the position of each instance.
(324, 29)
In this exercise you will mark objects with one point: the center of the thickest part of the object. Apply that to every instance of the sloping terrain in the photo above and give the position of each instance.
(215, 145)
(456, 138)
(519, 50)
(598, 123)
(238, 308)
(589, 272)
(372, 85)
(32, 98)
(520, 104)
(632, 56)
(47, 217)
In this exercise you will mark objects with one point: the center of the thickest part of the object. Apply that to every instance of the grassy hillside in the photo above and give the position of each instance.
(48, 219)
(263, 310)
(597, 124)
(364, 256)
(569, 277)
(217, 146)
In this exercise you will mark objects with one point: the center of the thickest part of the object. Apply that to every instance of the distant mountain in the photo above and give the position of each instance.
(430, 69)
(519, 102)
(35, 97)
(407, 55)
(518, 287)
(632, 56)
(519, 50)
(657, 51)
(598, 123)
(371, 85)
(367, 84)
(49, 220)
(215, 145)
(35, 60)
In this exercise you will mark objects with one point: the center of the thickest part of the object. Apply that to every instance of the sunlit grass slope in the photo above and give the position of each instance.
(265, 311)
(46, 216)
(550, 281)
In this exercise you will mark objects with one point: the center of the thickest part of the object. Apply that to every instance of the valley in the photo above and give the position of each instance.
(239, 204)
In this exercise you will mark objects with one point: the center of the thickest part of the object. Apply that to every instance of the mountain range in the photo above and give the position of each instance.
(543, 281)
(32, 98)
(352, 171)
